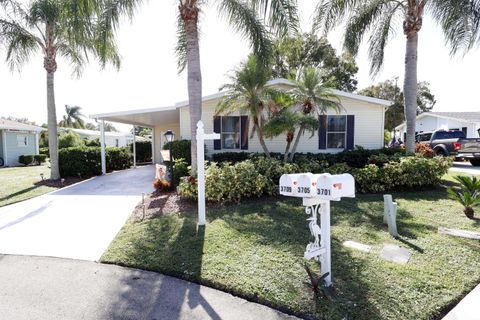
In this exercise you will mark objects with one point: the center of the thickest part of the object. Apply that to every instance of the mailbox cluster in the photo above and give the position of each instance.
(322, 186)
(317, 190)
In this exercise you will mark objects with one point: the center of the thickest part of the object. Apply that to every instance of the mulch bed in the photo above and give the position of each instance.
(58, 183)
(161, 203)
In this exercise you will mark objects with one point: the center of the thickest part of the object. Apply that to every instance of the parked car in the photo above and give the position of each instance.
(452, 143)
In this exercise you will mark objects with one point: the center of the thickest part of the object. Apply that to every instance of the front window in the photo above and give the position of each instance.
(230, 133)
(336, 132)
(22, 140)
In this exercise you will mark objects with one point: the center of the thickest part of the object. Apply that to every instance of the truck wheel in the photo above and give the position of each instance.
(441, 152)
(475, 162)
(1, 162)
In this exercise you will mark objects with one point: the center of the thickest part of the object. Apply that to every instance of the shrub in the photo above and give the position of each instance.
(92, 142)
(180, 149)
(70, 139)
(162, 185)
(228, 183)
(86, 161)
(39, 158)
(180, 170)
(44, 151)
(232, 157)
(425, 150)
(143, 150)
(26, 159)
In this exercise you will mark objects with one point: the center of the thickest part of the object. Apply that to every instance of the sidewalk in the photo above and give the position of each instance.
(468, 308)
(53, 288)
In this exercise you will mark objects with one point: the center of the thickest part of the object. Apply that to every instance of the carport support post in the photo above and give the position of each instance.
(134, 149)
(102, 146)
(201, 137)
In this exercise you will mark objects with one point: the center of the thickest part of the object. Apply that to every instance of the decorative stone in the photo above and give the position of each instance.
(394, 253)
(357, 246)
(460, 233)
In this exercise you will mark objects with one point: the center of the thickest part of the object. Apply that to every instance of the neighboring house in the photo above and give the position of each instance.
(361, 122)
(468, 122)
(112, 139)
(17, 139)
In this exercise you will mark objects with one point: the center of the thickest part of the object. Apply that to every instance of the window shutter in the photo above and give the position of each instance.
(217, 128)
(244, 132)
(322, 133)
(464, 130)
(350, 132)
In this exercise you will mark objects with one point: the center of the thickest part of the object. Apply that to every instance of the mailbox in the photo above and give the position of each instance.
(307, 185)
(334, 187)
(288, 184)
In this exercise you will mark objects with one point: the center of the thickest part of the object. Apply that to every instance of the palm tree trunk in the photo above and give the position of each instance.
(262, 140)
(194, 78)
(287, 148)
(410, 89)
(52, 128)
(295, 145)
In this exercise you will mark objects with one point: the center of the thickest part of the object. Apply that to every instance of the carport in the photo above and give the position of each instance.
(158, 119)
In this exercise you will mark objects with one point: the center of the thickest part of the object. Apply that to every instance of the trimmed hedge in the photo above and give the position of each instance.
(25, 159)
(180, 149)
(143, 150)
(40, 158)
(44, 151)
(227, 182)
(86, 161)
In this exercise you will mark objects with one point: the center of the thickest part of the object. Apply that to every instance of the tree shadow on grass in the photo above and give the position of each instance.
(18, 193)
(168, 298)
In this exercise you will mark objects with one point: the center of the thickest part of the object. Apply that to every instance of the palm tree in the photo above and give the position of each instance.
(69, 28)
(73, 118)
(313, 97)
(248, 92)
(245, 17)
(459, 21)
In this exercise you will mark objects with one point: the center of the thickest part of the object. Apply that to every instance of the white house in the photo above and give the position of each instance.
(17, 139)
(112, 139)
(361, 122)
(468, 122)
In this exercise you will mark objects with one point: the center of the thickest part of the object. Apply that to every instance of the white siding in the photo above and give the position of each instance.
(14, 151)
(432, 123)
(369, 124)
(159, 139)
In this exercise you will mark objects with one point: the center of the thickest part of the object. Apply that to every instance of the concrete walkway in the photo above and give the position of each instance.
(51, 288)
(468, 308)
(76, 222)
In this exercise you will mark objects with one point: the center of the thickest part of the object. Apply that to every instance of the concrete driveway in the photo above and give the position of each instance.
(77, 222)
(465, 167)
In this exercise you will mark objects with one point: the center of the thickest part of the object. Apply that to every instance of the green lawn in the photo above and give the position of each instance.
(255, 250)
(18, 183)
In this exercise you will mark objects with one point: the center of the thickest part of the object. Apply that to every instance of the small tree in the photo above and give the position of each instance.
(468, 195)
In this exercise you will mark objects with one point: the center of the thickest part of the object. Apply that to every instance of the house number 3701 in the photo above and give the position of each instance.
(324, 192)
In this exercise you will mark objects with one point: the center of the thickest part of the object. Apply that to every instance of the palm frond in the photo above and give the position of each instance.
(280, 15)
(20, 43)
(181, 46)
(329, 13)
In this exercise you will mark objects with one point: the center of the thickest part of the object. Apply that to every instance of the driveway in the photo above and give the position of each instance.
(465, 167)
(44, 288)
(76, 222)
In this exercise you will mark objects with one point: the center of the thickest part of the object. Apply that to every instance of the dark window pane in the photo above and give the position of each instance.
(230, 140)
(230, 124)
(336, 123)
(336, 140)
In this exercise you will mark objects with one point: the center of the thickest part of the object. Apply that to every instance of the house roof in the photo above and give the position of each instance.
(19, 126)
(469, 117)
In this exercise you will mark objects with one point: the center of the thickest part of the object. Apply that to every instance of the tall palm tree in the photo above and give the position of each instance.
(458, 19)
(69, 28)
(246, 17)
(73, 118)
(248, 92)
(312, 97)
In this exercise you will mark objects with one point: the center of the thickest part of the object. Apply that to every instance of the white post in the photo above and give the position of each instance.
(37, 147)
(326, 259)
(390, 214)
(201, 137)
(4, 146)
(134, 149)
(154, 156)
(102, 145)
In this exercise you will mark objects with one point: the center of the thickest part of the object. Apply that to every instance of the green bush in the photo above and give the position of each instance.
(180, 170)
(70, 139)
(232, 157)
(44, 151)
(86, 161)
(180, 149)
(92, 142)
(39, 158)
(26, 159)
(143, 150)
(228, 183)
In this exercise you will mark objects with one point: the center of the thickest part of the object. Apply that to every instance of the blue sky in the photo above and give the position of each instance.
(148, 76)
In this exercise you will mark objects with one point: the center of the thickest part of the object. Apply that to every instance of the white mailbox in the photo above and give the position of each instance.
(334, 187)
(288, 184)
(307, 185)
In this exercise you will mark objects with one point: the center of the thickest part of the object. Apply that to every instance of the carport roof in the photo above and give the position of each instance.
(142, 117)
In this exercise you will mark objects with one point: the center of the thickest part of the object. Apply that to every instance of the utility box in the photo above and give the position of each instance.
(334, 187)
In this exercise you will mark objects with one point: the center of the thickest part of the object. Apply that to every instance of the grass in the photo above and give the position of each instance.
(18, 183)
(255, 250)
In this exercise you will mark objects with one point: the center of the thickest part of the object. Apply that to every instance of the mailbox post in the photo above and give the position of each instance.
(316, 191)
(201, 137)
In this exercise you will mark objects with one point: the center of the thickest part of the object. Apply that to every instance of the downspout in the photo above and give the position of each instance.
(102, 147)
